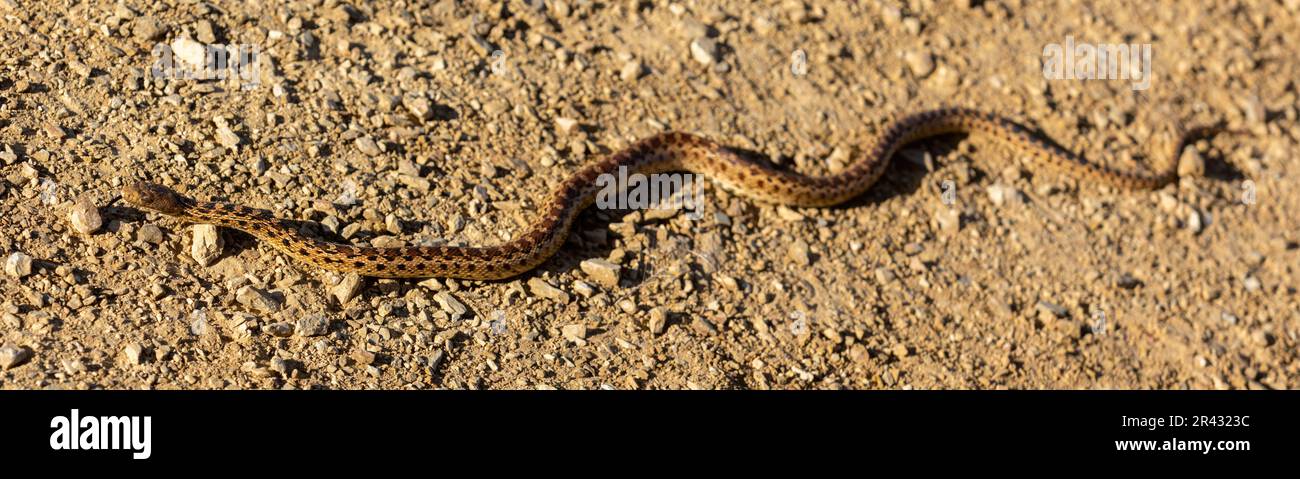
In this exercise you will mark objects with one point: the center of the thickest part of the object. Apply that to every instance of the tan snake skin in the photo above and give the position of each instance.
(657, 154)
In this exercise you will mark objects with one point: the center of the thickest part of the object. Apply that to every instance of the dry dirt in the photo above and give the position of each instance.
(399, 122)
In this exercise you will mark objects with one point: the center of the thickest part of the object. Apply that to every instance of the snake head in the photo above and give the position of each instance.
(155, 197)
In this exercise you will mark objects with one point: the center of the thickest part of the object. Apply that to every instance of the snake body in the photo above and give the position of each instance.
(661, 153)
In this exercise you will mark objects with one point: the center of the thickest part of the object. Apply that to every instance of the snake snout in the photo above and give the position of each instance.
(153, 196)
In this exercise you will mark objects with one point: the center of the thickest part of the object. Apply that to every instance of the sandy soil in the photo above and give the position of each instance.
(431, 122)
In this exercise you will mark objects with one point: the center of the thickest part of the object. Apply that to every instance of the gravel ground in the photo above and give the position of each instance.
(444, 122)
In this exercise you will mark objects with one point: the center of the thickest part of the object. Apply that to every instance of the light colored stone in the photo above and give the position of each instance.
(920, 62)
(18, 265)
(566, 125)
(452, 306)
(193, 54)
(134, 353)
(1001, 194)
(658, 320)
(257, 300)
(602, 272)
(85, 217)
(207, 245)
(1191, 163)
(544, 289)
(704, 50)
(13, 356)
(798, 253)
(631, 71)
(574, 332)
(347, 288)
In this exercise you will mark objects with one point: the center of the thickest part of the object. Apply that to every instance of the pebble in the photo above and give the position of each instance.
(788, 214)
(949, 220)
(149, 233)
(544, 289)
(315, 325)
(704, 50)
(1194, 222)
(566, 125)
(884, 275)
(1191, 163)
(367, 145)
(1001, 194)
(920, 62)
(1049, 310)
(347, 288)
(256, 299)
(602, 272)
(631, 71)
(658, 320)
(148, 28)
(207, 244)
(363, 357)
(451, 305)
(227, 137)
(85, 217)
(280, 329)
(798, 253)
(1251, 283)
(574, 332)
(1127, 281)
(134, 353)
(13, 356)
(18, 265)
(418, 105)
(584, 288)
(190, 52)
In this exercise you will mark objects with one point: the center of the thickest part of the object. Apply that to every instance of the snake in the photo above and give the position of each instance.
(665, 152)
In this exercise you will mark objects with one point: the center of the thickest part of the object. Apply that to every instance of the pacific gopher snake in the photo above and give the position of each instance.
(657, 154)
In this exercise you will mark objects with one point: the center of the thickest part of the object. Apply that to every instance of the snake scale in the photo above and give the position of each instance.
(657, 154)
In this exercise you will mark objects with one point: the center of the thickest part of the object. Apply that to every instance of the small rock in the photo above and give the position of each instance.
(1048, 310)
(257, 300)
(149, 233)
(544, 289)
(704, 50)
(949, 220)
(280, 329)
(1127, 281)
(190, 52)
(1251, 283)
(884, 275)
(227, 137)
(1191, 163)
(631, 71)
(13, 356)
(574, 332)
(920, 62)
(1194, 222)
(207, 245)
(418, 105)
(451, 305)
(315, 325)
(1001, 194)
(148, 28)
(18, 265)
(658, 320)
(85, 217)
(363, 357)
(788, 214)
(347, 288)
(133, 353)
(368, 146)
(602, 272)
(566, 125)
(798, 253)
